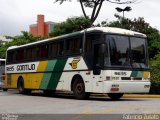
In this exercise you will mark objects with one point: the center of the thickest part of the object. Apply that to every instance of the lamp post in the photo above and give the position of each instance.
(123, 10)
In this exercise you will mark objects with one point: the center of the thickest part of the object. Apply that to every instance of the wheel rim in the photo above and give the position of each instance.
(79, 88)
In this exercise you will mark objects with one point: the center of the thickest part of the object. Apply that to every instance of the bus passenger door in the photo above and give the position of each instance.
(97, 67)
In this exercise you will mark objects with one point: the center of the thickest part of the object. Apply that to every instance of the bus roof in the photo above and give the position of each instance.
(116, 31)
(110, 30)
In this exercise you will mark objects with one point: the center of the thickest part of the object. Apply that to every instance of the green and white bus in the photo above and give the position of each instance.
(103, 60)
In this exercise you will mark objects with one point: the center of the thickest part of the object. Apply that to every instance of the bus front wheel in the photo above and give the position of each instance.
(115, 96)
(79, 89)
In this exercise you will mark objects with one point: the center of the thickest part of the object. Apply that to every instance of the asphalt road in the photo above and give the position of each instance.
(62, 105)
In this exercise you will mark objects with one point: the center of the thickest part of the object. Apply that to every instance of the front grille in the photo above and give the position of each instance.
(129, 78)
(137, 78)
(125, 78)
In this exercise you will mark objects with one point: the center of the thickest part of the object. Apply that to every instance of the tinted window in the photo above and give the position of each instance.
(43, 51)
(10, 56)
(88, 44)
(89, 39)
(52, 50)
(35, 53)
(73, 46)
(28, 54)
(138, 53)
(60, 50)
(19, 55)
(119, 50)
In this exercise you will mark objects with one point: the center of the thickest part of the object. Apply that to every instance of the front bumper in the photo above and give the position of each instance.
(126, 87)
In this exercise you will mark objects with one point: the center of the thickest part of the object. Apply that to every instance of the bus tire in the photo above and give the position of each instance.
(27, 91)
(49, 93)
(5, 89)
(79, 89)
(115, 96)
(21, 89)
(20, 86)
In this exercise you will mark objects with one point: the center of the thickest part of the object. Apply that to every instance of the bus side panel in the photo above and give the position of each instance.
(65, 81)
(33, 80)
(73, 67)
(12, 79)
(9, 81)
(52, 74)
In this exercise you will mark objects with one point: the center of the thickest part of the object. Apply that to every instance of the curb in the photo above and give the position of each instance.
(124, 96)
(140, 96)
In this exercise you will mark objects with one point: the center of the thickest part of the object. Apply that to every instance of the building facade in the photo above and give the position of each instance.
(41, 28)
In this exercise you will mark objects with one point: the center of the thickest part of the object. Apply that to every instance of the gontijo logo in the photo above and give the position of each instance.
(74, 63)
(24, 67)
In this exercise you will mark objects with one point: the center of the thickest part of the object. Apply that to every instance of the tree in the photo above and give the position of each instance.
(155, 74)
(71, 25)
(96, 5)
(18, 40)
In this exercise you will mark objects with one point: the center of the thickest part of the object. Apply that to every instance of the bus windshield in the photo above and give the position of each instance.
(125, 51)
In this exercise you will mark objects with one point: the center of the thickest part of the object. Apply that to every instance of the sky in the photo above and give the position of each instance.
(17, 15)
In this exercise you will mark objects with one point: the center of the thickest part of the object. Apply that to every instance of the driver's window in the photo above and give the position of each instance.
(98, 56)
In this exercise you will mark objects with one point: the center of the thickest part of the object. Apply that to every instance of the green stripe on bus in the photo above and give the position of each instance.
(47, 76)
(140, 74)
(56, 75)
(134, 74)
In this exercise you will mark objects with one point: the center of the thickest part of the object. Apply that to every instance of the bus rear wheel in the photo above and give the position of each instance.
(21, 89)
(79, 89)
(115, 96)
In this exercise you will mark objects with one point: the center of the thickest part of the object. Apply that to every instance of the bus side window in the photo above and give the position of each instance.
(34, 53)
(88, 44)
(60, 49)
(52, 50)
(10, 56)
(22, 55)
(44, 51)
(38, 52)
(28, 54)
(73, 46)
(14, 56)
(70, 46)
(88, 51)
(19, 55)
(78, 45)
(89, 39)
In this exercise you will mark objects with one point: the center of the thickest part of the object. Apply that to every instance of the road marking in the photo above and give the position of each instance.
(88, 111)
